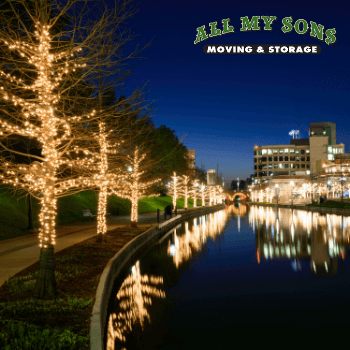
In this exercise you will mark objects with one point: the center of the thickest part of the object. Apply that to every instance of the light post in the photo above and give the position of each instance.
(291, 185)
(277, 192)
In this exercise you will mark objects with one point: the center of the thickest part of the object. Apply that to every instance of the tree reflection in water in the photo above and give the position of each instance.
(134, 295)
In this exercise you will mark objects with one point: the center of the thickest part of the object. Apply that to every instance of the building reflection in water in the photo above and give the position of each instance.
(300, 235)
(134, 295)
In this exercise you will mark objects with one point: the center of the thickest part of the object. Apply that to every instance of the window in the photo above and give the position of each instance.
(275, 151)
(308, 159)
(275, 159)
(308, 167)
(270, 159)
(286, 165)
(297, 159)
(275, 166)
(264, 166)
(302, 151)
(307, 151)
(270, 166)
(291, 150)
(263, 173)
(340, 150)
(330, 157)
(269, 151)
(329, 149)
(303, 159)
(270, 173)
(296, 151)
(264, 151)
(286, 159)
(292, 165)
(303, 165)
(259, 152)
(264, 159)
(281, 159)
(296, 166)
(281, 150)
(292, 158)
(286, 150)
(281, 166)
(335, 150)
(308, 171)
(260, 167)
(255, 167)
(255, 160)
(254, 153)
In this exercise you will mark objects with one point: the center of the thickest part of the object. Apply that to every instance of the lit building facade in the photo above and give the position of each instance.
(191, 153)
(211, 177)
(301, 157)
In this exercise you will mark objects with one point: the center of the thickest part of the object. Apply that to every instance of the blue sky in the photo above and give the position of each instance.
(226, 104)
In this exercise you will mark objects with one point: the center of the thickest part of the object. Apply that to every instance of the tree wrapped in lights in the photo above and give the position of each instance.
(194, 191)
(134, 186)
(41, 92)
(203, 193)
(174, 188)
(184, 189)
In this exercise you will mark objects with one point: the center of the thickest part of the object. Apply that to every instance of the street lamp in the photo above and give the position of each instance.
(291, 185)
(277, 191)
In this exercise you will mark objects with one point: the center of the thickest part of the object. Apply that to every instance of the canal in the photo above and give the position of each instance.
(243, 275)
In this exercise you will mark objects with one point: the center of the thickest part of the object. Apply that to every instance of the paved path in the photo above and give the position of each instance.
(18, 253)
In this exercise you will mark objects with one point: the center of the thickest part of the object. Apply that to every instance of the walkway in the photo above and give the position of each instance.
(18, 253)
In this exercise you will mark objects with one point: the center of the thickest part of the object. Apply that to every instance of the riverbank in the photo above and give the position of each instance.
(64, 323)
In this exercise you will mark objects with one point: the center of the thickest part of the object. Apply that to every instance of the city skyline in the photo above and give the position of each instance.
(224, 105)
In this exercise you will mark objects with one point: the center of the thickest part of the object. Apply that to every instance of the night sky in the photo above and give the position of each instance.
(226, 104)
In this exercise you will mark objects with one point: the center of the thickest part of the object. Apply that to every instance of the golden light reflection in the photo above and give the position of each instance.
(134, 295)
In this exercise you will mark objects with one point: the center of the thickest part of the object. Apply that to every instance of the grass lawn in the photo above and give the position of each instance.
(14, 209)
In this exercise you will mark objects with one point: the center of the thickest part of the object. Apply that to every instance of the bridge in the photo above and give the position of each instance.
(231, 195)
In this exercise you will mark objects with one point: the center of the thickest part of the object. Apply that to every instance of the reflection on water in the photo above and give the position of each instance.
(262, 268)
(299, 234)
(134, 295)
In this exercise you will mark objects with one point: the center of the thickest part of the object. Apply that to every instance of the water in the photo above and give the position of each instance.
(256, 275)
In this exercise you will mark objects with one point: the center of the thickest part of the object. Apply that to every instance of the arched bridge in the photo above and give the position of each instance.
(243, 195)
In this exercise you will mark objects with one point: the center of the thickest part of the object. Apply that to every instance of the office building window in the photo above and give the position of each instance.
(296, 151)
(292, 165)
(303, 166)
(308, 159)
(307, 151)
(303, 159)
(275, 151)
(259, 153)
(255, 167)
(254, 153)
(286, 150)
(286, 165)
(302, 151)
(275, 166)
(275, 159)
(286, 159)
(260, 167)
(281, 159)
(264, 166)
(296, 166)
(255, 160)
(292, 158)
(263, 159)
(340, 150)
(270, 159)
(307, 166)
(269, 151)
(297, 159)
(264, 151)
(270, 166)
(291, 150)
(281, 166)
(281, 150)
(263, 173)
(270, 173)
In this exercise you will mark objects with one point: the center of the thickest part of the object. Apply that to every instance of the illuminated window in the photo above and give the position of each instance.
(329, 149)
(340, 150)
(269, 151)
(275, 166)
(308, 171)
(297, 159)
(307, 151)
(292, 165)
(281, 166)
(286, 150)
(275, 151)
(330, 157)
(281, 150)
(291, 150)
(270, 166)
(264, 151)
(296, 151)
(264, 166)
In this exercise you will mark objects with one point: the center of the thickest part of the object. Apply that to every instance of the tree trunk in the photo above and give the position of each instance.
(46, 282)
(101, 214)
(30, 214)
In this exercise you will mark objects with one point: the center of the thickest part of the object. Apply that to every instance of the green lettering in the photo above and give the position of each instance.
(268, 20)
(250, 25)
(316, 30)
(227, 27)
(331, 39)
(213, 30)
(288, 26)
(201, 35)
(297, 26)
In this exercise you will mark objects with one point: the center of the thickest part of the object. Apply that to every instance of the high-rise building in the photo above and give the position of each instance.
(211, 177)
(191, 153)
(301, 157)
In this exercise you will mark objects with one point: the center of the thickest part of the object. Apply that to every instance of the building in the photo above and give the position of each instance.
(301, 157)
(191, 154)
(211, 177)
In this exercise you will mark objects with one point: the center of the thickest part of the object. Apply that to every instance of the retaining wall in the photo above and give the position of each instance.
(117, 264)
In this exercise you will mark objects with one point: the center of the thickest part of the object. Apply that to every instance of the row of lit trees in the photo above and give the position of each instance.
(184, 186)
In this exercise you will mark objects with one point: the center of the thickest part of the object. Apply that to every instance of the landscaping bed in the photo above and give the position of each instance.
(63, 323)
